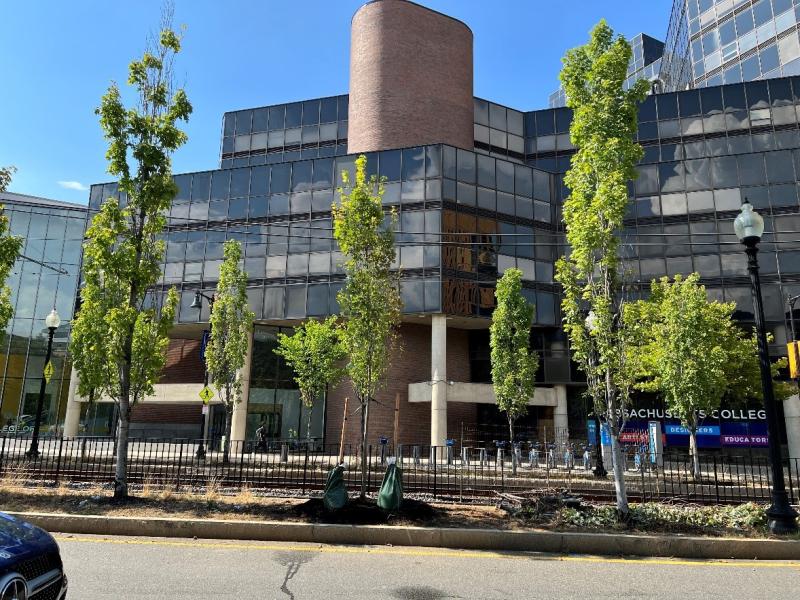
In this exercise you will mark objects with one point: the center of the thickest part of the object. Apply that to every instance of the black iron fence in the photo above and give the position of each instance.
(438, 473)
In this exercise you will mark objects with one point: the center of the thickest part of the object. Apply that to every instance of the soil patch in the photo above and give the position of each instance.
(366, 512)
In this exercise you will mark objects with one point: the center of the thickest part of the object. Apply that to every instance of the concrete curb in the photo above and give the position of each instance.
(473, 539)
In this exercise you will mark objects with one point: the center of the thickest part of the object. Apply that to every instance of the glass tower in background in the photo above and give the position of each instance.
(715, 42)
(44, 277)
(645, 64)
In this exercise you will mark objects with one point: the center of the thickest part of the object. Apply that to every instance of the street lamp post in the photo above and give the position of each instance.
(52, 321)
(599, 468)
(749, 227)
(198, 303)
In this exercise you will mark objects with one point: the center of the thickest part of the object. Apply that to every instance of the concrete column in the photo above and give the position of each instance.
(72, 416)
(791, 412)
(438, 380)
(561, 414)
(239, 418)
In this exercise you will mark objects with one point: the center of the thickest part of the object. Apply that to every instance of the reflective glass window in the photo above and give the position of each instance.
(279, 182)
(689, 103)
(667, 106)
(413, 163)
(545, 124)
(779, 167)
(751, 169)
(219, 185)
(466, 166)
(310, 112)
(294, 115)
(505, 176)
(486, 171)
(240, 183)
(671, 176)
(243, 120)
(497, 117)
(481, 112)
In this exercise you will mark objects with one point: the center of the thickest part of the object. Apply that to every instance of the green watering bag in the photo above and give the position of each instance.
(335, 495)
(390, 496)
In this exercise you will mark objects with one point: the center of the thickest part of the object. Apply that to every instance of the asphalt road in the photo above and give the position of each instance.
(123, 568)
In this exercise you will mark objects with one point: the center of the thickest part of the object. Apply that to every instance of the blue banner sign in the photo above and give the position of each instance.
(701, 430)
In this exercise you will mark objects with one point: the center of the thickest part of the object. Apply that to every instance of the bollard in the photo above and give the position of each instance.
(284, 453)
(465, 456)
(415, 454)
(483, 457)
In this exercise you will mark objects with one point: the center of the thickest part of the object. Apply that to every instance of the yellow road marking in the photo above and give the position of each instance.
(396, 551)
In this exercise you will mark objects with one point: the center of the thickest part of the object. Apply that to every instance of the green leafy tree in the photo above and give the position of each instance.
(230, 324)
(315, 353)
(693, 352)
(603, 131)
(10, 246)
(514, 365)
(689, 349)
(119, 337)
(370, 299)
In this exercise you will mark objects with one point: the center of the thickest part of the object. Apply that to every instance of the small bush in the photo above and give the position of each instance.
(653, 515)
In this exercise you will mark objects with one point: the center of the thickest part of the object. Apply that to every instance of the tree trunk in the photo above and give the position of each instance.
(619, 478)
(694, 453)
(513, 449)
(364, 431)
(226, 446)
(308, 425)
(121, 468)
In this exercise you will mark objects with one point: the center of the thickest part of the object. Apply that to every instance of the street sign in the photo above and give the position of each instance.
(794, 359)
(48, 371)
(206, 394)
(205, 408)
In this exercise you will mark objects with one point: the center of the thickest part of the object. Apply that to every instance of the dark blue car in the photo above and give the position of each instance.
(30, 563)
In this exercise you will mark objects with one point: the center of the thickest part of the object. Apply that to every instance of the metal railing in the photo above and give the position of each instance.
(442, 473)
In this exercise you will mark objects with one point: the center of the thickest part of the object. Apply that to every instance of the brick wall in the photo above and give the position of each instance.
(410, 78)
(152, 412)
(411, 364)
(183, 362)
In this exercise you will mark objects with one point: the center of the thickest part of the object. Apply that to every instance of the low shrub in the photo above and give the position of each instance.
(658, 516)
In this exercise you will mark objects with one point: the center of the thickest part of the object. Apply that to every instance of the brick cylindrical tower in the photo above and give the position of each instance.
(410, 78)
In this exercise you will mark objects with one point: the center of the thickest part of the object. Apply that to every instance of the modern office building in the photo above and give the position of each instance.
(715, 42)
(645, 64)
(478, 188)
(44, 277)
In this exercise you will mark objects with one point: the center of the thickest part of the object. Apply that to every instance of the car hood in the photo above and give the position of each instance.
(18, 539)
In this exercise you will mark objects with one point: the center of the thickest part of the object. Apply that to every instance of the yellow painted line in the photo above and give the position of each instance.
(396, 551)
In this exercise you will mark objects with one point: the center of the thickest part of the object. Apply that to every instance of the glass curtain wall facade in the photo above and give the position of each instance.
(45, 277)
(705, 151)
(714, 42)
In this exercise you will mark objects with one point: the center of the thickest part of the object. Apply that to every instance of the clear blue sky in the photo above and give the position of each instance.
(57, 59)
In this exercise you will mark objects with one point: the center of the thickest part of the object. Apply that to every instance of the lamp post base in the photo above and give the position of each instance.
(600, 472)
(201, 452)
(32, 453)
(781, 517)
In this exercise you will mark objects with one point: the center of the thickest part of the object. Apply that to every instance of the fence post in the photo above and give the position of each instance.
(241, 461)
(180, 463)
(791, 485)
(305, 470)
(2, 453)
(716, 479)
(58, 461)
(433, 452)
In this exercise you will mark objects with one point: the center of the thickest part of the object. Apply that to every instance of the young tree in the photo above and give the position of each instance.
(315, 353)
(514, 365)
(10, 246)
(693, 352)
(230, 326)
(370, 299)
(603, 129)
(688, 349)
(119, 337)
